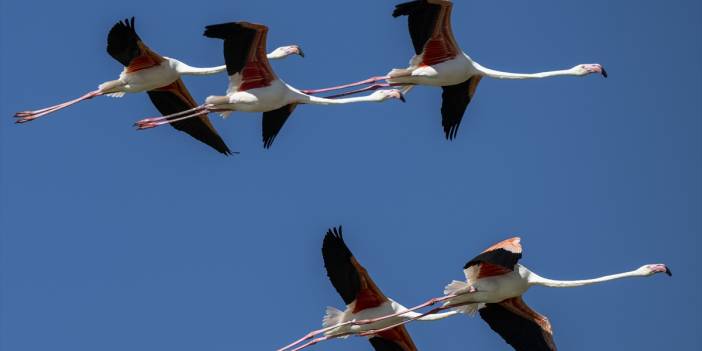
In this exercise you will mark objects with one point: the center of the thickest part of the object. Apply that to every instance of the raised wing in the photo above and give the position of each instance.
(244, 53)
(125, 46)
(519, 325)
(348, 277)
(454, 102)
(429, 24)
(395, 339)
(498, 259)
(175, 98)
(273, 121)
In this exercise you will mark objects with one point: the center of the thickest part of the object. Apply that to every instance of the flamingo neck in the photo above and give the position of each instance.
(184, 69)
(535, 279)
(308, 99)
(508, 75)
(411, 315)
(279, 53)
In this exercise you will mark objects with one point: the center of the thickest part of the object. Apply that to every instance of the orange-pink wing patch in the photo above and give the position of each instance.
(369, 295)
(512, 245)
(147, 59)
(257, 72)
(442, 45)
(490, 270)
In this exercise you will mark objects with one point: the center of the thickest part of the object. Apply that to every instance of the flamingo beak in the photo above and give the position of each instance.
(668, 272)
(300, 52)
(604, 73)
(402, 97)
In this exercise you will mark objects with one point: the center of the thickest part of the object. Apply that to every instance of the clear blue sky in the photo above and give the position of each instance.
(114, 239)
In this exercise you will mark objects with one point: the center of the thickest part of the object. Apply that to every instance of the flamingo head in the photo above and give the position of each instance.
(382, 95)
(651, 269)
(589, 68)
(284, 51)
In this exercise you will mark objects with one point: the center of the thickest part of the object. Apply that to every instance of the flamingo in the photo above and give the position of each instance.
(495, 283)
(253, 86)
(439, 61)
(159, 76)
(363, 300)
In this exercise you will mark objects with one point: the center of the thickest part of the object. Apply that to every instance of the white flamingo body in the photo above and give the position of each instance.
(161, 75)
(158, 76)
(494, 286)
(390, 307)
(440, 62)
(253, 86)
(450, 72)
(368, 311)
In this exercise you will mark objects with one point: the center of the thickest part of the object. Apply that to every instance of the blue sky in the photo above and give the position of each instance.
(114, 239)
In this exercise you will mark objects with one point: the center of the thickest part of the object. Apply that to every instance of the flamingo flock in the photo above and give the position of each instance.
(494, 285)
(494, 282)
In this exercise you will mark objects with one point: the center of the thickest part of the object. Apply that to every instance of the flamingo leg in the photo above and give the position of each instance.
(26, 116)
(350, 85)
(155, 119)
(376, 331)
(310, 343)
(159, 121)
(368, 88)
(432, 311)
(311, 334)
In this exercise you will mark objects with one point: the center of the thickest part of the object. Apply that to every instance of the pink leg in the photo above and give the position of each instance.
(27, 116)
(366, 81)
(314, 341)
(310, 335)
(159, 121)
(432, 311)
(368, 88)
(151, 122)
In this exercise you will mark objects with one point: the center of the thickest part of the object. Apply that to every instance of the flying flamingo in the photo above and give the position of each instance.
(494, 286)
(253, 86)
(439, 61)
(363, 300)
(145, 70)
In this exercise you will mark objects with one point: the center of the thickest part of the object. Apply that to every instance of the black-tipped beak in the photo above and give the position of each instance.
(668, 272)
(604, 73)
(300, 52)
(402, 97)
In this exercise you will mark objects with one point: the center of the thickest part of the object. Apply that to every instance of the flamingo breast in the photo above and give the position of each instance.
(501, 287)
(263, 99)
(150, 78)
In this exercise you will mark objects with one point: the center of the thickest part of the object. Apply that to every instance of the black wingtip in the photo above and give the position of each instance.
(336, 233)
(222, 30)
(406, 8)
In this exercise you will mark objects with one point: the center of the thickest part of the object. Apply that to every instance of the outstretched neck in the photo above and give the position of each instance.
(429, 317)
(309, 99)
(184, 69)
(535, 279)
(508, 75)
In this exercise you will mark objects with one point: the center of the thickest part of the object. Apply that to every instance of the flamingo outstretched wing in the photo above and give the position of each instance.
(358, 290)
(125, 46)
(429, 23)
(496, 260)
(519, 325)
(244, 54)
